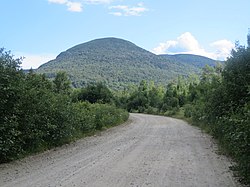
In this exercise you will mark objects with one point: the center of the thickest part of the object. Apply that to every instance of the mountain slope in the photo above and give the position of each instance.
(116, 62)
(194, 60)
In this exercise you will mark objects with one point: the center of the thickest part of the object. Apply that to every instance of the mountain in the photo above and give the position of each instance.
(116, 62)
(194, 60)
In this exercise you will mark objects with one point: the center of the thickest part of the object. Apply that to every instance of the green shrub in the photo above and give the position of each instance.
(108, 115)
(235, 136)
(188, 110)
(152, 110)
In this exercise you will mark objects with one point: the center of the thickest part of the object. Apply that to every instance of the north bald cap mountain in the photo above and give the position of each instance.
(118, 63)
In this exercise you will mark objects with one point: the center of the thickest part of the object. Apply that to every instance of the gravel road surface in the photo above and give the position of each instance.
(146, 151)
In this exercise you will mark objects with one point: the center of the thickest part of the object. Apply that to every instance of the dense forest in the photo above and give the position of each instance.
(37, 114)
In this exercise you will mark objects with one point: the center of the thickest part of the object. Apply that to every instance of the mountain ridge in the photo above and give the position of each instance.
(196, 60)
(117, 62)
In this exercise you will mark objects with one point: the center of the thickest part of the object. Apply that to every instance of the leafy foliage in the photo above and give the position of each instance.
(61, 83)
(149, 98)
(95, 93)
(37, 114)
(222, 104)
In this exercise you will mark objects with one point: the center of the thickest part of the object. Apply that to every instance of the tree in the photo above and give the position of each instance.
(171, 95)
(155, 96)
(62, 83)
(138, 100)
(96, 93)
(236, 77)
(11, 80)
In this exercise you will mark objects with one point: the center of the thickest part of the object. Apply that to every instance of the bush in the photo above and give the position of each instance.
(152, 110)
(188, 110)
(84, 118)
(96, 93)
(172, 112)
(37, 114)
(235, 136)
(108, 115)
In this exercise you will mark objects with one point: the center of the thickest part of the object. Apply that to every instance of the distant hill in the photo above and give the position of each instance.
(118, 62)
(194, 60)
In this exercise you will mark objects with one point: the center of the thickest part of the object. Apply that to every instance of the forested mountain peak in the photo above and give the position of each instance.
(106, 47)
(118, 63)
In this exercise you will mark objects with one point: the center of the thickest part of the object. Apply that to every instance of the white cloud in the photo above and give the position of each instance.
(72, 6)
(187, 44)
(76, 6)
(58, 1)
(34, 60)
(116, 13)
(98, 1)
(119, 10)
(124, 10)
(223, 48)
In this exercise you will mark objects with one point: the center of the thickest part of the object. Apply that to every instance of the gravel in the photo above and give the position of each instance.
(145, 151)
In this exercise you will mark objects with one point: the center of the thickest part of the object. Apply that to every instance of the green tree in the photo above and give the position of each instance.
(11, 80)
(96, 93)
(139, 98)
(236, 77)
(155, 96)
(62, 83)
(170, 99)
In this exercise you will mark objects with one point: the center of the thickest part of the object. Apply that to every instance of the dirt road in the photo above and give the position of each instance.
(148, 151)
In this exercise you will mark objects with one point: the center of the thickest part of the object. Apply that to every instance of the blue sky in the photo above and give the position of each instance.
(41, 29)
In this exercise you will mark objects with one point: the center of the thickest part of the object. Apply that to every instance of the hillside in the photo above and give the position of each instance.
(116, 62)
(194, 60)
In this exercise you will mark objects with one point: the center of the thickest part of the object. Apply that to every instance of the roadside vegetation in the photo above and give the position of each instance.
(38, 114)
(217, 100)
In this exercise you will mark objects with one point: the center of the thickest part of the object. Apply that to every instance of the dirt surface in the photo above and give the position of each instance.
(147, 151)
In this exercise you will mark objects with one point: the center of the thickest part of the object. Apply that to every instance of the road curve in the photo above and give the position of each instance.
(146, 151)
